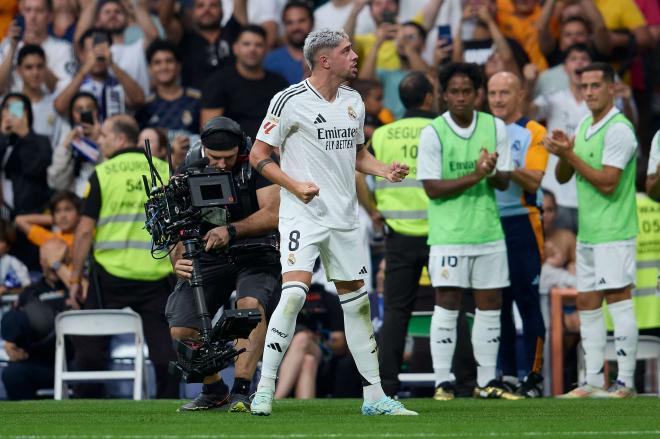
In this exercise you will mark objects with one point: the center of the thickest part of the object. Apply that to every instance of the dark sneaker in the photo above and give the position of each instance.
(532, 386)
(239, 403)
(206, 401)
(495, 390)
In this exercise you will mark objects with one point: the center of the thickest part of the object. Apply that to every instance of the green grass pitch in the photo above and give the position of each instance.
(463, 418)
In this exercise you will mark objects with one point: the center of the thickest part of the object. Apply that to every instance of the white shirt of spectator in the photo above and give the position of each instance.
(654, 155)
(318, 142)
(114, 99)
(131, 59)
(11, 264)
(334, 17)
(429, 167)
(46, 121)
(59, 59)
(259, 11)
(450, 14)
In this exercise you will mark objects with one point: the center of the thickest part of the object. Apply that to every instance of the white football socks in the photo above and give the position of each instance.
(443, 342)
(625, 340)
(280, 331)
(485, 344)
(594, 338)
(361, 341)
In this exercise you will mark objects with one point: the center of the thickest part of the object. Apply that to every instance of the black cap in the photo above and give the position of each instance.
(221, 134)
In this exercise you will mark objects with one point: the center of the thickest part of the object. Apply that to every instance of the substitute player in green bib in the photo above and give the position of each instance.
(653, 171)
(463, 157)
(602, 155)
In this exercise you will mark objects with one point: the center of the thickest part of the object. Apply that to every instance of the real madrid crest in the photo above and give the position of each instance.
(291, 259)
(351, 113)
(186, 117)
(445, 273)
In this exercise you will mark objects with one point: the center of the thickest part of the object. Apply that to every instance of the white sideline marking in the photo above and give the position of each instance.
(344, 435)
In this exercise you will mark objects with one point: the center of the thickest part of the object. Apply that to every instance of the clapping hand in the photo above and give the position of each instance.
(558, 143)
(486, 162)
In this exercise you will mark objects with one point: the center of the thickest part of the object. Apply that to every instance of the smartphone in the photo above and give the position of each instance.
(20, 22)
(16, 109)
(444, 33)
(87, 117)
(100, 38)
(388, 17)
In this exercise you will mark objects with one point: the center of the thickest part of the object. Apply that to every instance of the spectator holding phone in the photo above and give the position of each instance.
(409, 42)
(77, 152)
(113, 17)
(31, 27)
(26, 155)
(479, 40)
(384, 13)
(113, 87)
(31, 67)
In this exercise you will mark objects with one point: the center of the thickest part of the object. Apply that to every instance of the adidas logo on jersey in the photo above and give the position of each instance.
(602, 281)
(275, 347)
(445, 341)
(319, 119)
(363, 271)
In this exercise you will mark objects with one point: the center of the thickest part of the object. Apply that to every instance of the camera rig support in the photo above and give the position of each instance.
(175, 212)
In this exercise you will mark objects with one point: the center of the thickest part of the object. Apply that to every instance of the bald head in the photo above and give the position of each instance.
(117, 133)
(505, 79)
(505, 96)
(125, 125)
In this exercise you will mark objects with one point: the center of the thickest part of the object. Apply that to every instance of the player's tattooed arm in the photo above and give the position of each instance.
(262, 164)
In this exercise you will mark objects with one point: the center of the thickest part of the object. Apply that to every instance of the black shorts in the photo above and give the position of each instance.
(262, 282)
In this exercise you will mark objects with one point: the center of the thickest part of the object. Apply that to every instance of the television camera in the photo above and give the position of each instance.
(175, 213)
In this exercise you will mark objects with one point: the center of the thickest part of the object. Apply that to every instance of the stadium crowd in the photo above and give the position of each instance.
(82, 80)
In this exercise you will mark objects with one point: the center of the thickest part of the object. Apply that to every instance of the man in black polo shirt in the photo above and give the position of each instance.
(207, 47)
(242, 91)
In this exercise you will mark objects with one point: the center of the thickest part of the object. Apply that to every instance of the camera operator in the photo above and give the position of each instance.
(242, 255)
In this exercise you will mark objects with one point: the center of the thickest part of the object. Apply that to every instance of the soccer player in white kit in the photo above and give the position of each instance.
(318, 126)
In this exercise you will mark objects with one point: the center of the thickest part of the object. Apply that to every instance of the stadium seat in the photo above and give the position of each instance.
(648, 348)
(99, 323)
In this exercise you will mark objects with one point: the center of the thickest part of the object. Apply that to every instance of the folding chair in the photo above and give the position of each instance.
(100, 322)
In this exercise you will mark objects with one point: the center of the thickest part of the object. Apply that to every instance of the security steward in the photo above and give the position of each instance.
(403, 207)
(123, 272)
(241, 256)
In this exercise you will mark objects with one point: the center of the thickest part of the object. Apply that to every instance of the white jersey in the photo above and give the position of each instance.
(317, 141)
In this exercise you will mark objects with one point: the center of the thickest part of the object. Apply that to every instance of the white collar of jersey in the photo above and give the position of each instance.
(316, 92)
(610, 114)
(463, 132)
